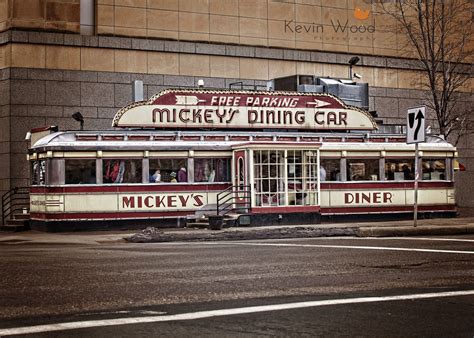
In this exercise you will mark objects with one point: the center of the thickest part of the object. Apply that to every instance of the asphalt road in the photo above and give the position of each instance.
(310, 287)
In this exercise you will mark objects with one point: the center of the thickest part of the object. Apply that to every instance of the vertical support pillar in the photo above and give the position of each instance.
(251, 178)
(417, 177)
(146, 169)
(190, 166)
(285, 174)
(99, 172)
(382, 167)
(343, 168)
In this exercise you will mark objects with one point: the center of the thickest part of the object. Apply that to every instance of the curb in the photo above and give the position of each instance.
(412, 231)
(236, 235)
(155, 235)
(299, 232)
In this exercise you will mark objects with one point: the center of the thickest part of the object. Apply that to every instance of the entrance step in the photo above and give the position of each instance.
(202, 222)
(198, 225)
(22, 216)
(15, 225)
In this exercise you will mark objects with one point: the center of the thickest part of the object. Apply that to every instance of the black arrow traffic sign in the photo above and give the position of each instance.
(416, 125)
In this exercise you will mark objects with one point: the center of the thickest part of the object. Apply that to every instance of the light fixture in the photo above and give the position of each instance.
(79, 118)
(357, 76)
(28, 136)
(353, 61)
(200, 83)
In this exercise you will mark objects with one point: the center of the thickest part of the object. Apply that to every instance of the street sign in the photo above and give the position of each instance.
(416, 125)
(416, 134)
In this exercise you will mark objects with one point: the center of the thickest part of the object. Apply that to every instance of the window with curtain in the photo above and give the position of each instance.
(212, 169)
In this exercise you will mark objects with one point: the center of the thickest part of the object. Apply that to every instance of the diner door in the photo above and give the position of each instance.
(240, 178)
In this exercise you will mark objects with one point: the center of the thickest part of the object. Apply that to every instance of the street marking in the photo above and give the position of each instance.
(223, 312)
(335, 238)
(386, 248)
(429, 239)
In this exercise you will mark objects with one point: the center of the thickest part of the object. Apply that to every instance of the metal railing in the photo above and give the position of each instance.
(234, 199)
(14, 201)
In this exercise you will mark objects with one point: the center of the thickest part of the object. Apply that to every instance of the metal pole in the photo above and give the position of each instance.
(415, 216)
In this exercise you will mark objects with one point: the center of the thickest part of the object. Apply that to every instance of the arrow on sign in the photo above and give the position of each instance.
(418, 117)
(318, 103)
(187, 100)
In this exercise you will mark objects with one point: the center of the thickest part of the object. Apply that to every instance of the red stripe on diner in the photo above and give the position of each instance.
(219, 187)
(358, 209)
(135, 188)
(106, 215)
(383, 185)
(285, 209)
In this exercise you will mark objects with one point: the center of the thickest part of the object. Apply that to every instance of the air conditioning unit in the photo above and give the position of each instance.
(352, 93)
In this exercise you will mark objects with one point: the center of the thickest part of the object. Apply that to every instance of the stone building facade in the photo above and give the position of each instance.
(58, 57)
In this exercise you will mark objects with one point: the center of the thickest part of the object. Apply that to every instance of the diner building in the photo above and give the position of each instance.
(60, 57)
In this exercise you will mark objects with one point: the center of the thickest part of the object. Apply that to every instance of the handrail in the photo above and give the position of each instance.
(14, 200)
(234, 198)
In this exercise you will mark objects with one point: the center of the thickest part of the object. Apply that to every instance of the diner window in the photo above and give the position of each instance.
(80, 171)
(122, 171)
(330, 169)
(38, 172)
(168, 170)
(362, 169)
(302, 177)
(434, 169)
(212, 170)
(269, 176)
(399, 169)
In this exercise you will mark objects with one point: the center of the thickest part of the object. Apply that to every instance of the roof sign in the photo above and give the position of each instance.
(221, 109)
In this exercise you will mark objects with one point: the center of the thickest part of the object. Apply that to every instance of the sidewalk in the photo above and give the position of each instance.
(426, 227)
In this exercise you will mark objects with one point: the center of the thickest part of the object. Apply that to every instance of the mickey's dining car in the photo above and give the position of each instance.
(276, 157)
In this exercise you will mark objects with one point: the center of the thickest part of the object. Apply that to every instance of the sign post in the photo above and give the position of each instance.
(416, 134)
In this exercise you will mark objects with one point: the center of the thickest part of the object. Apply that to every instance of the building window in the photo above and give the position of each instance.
(302, 177)
(38, 172)
(298, 181)
(122, 171)
(212, 170)
(168, 170)
(269, 173)
(434, 169)
(399, 169)
(330, 169)
(80, 171)
(362, 169)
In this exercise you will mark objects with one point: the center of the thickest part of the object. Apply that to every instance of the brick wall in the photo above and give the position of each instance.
(61, 15)
(4, 14)
(285, 24)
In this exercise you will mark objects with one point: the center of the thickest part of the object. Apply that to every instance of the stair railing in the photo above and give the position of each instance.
(15, 200)
(234, 199)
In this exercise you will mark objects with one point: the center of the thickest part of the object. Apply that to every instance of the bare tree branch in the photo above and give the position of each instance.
(440, 32)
